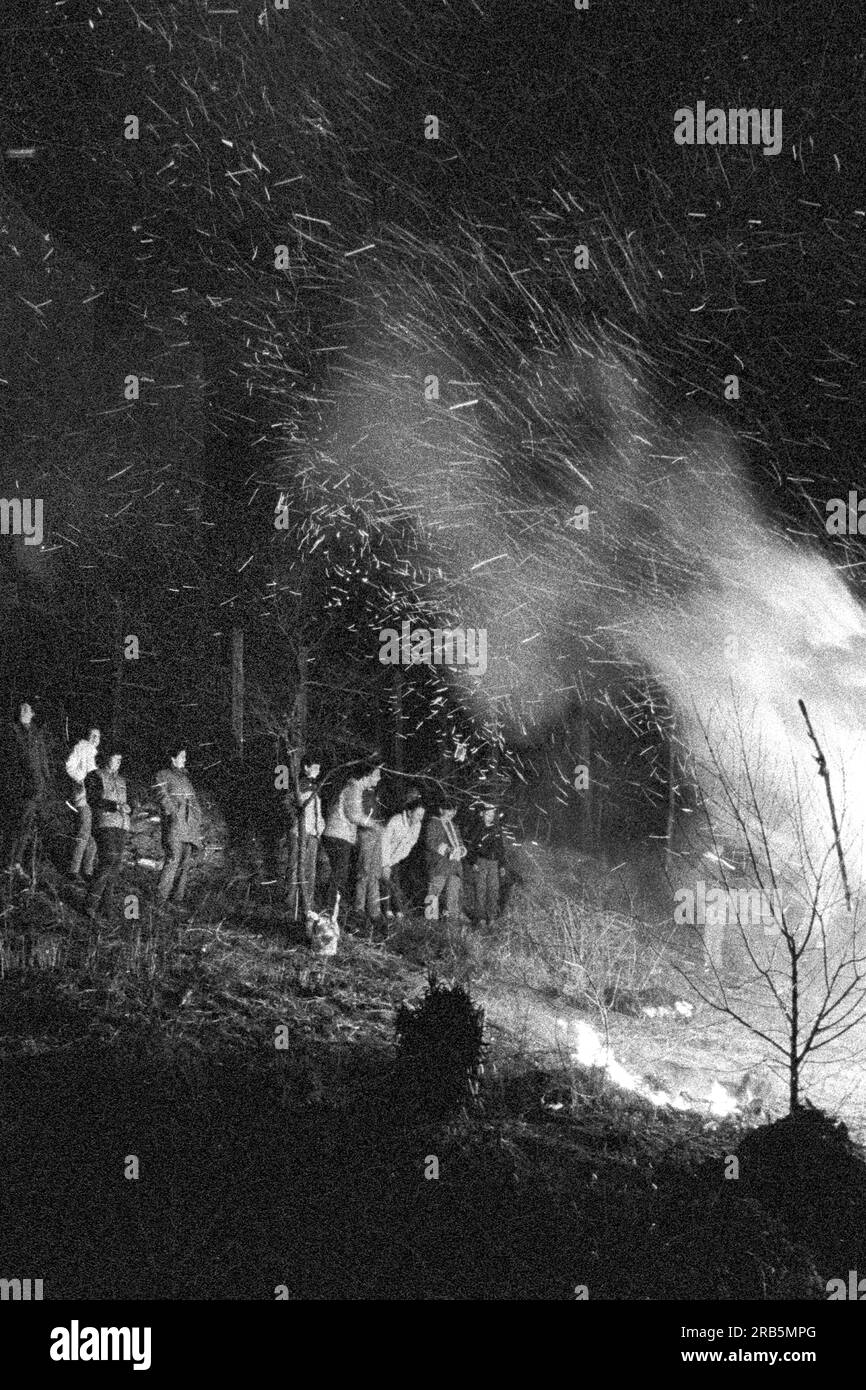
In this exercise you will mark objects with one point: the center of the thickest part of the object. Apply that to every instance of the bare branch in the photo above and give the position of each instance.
(824, 773)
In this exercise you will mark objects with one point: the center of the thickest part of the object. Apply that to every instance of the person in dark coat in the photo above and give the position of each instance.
(106, 797)
(301, 869)
(181, 827)
(485, 857)
(29, 787)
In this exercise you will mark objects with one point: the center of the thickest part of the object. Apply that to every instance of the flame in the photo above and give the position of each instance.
(588, 1050)
(722, 1103)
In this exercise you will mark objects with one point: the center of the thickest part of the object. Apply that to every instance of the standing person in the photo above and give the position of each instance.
(341, 830)
(29, 779)
(445, 854)
(181, 827)
(304, 858)
(485, 856)
(368, 870)
(106, 795)
(399, 838)
(80, 763)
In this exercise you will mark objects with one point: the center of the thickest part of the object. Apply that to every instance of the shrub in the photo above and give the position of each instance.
(440, 1048)
(806, 1170)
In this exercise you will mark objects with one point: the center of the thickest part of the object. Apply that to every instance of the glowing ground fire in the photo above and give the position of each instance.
(586, 1049)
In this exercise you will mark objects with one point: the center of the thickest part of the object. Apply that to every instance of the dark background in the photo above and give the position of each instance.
(304, 127)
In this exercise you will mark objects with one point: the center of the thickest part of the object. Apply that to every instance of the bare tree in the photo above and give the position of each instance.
(793, 916)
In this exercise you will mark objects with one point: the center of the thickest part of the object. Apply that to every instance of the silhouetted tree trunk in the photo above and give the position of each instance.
(397, 711)
(300, 716)
(587, 833)
(119, 673)
(238, 689)
(670, 830)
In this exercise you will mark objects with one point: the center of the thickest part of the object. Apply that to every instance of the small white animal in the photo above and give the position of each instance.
(323, 933)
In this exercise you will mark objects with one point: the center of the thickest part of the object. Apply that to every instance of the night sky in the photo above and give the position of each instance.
(304, 128)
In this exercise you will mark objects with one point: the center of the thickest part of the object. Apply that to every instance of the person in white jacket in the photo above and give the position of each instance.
(79, 765)
(399, 838)
(341, 830)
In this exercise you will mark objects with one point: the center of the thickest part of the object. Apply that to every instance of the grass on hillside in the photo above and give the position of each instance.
(264, 1167)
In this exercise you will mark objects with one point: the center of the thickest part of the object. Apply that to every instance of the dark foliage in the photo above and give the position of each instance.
(729, 1248)
(440, 1048)
(806, 1170)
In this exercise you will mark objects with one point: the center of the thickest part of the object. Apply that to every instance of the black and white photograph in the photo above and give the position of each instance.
(432, 668)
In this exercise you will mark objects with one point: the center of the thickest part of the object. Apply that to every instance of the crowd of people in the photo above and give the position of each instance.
(356, 865)
(97, 797)
(322, 849)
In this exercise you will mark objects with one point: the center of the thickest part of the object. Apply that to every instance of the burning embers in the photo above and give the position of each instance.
(653, 1002)
(674, 1086)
